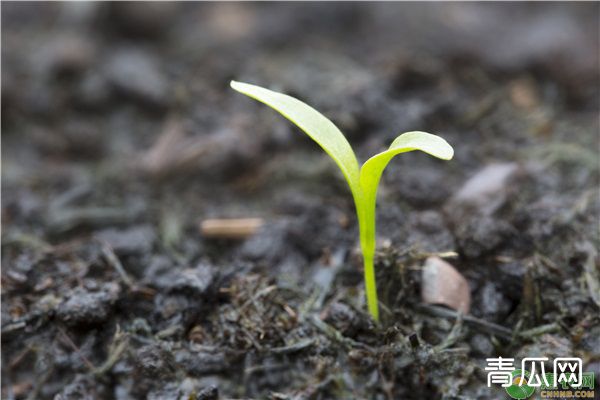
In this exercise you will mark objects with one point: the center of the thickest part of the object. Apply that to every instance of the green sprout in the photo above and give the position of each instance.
(363, 181)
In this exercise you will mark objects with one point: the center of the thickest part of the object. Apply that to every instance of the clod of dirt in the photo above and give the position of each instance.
(428, 232)
(346, 320)
(187, 390)
(193, 281)
(477, 236)
(81, 388)
(413, 185)
(485, 191)
(92, 91)
(268, 244)
(494, 305)
(443, 284)
(510, 275)
(150, 22)
(65, 55)
(208, 393)
(203, 363)
(481, 345)
(137, 75)
(85, 307)
(153, 362)
(135, 240)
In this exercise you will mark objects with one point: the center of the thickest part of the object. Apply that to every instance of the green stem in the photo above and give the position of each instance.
(371, 286)
(365, 208)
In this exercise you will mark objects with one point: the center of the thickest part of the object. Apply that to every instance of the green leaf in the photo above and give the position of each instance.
(371, 171)
(370, 174)
(314, 124)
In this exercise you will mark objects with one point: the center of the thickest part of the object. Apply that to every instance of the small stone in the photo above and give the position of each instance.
(443, 284)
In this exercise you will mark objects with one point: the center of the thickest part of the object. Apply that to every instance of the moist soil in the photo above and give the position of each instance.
(120, 134)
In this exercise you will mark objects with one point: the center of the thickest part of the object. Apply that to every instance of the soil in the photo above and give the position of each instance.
(120, 134)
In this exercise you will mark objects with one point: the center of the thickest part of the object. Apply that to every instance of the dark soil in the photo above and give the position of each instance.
(120, 134)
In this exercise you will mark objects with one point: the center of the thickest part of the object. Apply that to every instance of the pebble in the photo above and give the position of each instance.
(443, 284)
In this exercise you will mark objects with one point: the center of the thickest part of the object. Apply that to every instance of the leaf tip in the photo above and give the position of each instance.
(448, 153)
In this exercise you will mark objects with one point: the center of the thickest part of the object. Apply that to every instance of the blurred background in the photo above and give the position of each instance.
(120, 135)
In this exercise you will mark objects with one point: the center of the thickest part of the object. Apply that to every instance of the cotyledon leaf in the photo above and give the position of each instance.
(370, 174)
(314, 124)
(371, 171)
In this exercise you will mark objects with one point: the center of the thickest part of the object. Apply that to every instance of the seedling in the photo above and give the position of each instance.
(363, 181)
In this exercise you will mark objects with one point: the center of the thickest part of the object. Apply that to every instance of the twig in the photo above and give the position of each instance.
(539, 330)
(238, 228)
(490, 327)
(72, 344)
(336, 335)
(292, 348)
(113, 261)
(116, 349)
